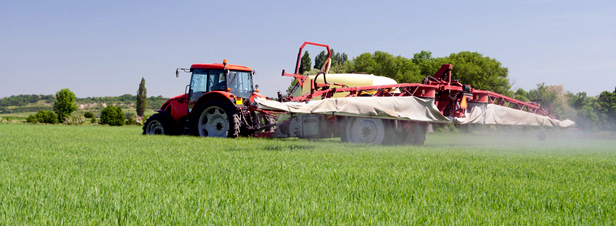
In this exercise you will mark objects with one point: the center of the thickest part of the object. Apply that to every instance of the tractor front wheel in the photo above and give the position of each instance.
(217, 119)
(157, 124)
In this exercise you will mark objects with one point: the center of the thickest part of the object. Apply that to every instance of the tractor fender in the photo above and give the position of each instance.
(219, 95)
(164, 112)
(173, 126)
(176, 107)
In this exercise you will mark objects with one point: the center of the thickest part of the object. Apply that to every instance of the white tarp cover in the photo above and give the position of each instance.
(400, 108)
(411, 109)
(491, 114)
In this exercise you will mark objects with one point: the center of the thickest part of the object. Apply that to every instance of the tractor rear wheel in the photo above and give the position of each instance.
(217, 119)
(365, 130)
(157, 124)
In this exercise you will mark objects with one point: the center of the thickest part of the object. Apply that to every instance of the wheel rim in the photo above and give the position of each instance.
(155, 127)
(365, 130)
(213, 122)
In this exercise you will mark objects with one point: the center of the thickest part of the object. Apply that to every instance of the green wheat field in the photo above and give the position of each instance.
(92, 175)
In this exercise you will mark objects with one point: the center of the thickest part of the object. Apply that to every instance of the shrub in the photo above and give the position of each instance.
(31, 119)
(43, 116)
(76, 120)
(131, 121)
(88, 114)
(112, 116)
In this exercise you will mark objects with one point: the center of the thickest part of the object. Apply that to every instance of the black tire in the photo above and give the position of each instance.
(413, 133)
(342, 129)
(158, 124)
(216, 118)
(419, 133)
(365, 130)
(397, 133)
(541, 136)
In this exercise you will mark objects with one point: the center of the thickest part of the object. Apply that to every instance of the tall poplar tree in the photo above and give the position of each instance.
(141, 98)
(305, 63)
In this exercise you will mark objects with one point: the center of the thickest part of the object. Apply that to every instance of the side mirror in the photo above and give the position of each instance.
(177, 71)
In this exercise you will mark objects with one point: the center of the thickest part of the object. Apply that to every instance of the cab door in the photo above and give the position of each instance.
(203, 81)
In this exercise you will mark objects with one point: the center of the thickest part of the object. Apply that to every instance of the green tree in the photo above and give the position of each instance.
(521, 94)
(65, 104)
(381, 63)
(112, 116)
(428, 65)
(305, 64)
(364, 63)
(339, 58)
(586, 116)
(319, 60)
(408, 72)
(553, 98)
(478, 71)
(579, 100)
(141, 98)
(606, 107)
(386, 64)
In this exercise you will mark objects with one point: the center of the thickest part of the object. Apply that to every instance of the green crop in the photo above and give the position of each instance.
(91, 175)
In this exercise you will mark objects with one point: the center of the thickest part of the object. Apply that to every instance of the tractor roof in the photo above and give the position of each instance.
(221, 66)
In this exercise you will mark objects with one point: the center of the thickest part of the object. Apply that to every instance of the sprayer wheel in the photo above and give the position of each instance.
(541, 136)
(419, 133)
(342, 129)
(413, 133)
(365, 130)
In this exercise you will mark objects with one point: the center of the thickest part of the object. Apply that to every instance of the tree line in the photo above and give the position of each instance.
(64, 104)
(589, 113)
(32, 103)
(481, 72)
(22, 100)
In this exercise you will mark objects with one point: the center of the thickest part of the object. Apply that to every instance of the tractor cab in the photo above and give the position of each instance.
(224, 78)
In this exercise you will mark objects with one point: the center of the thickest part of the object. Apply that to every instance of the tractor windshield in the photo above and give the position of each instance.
(207, 80)
(240, 83)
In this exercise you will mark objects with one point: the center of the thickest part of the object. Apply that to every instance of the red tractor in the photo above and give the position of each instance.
(218, 102)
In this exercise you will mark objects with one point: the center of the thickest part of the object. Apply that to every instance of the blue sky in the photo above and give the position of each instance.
(103, 48)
